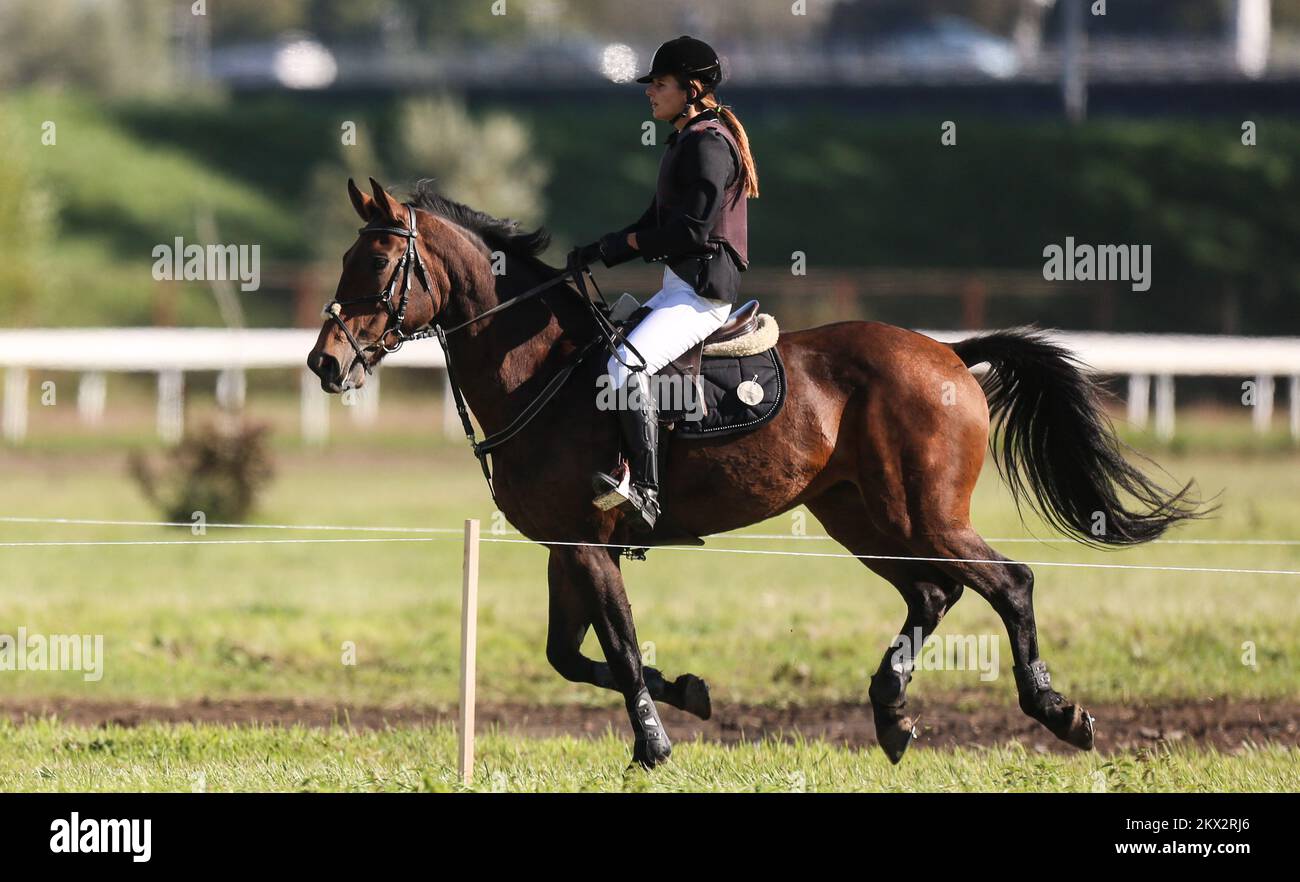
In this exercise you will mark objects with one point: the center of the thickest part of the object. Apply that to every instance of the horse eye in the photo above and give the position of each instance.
(380, 262)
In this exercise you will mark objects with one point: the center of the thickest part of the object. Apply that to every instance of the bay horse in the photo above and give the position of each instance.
(882, 437)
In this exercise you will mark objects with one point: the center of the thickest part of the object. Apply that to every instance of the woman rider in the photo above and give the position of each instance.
(696, 224)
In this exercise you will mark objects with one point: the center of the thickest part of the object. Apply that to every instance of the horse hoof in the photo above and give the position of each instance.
(1069, 722)
(649, 753)
(896, 735)
(1080, 732)
(695, 696)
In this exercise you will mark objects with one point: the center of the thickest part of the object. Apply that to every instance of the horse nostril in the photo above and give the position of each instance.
(323, 365)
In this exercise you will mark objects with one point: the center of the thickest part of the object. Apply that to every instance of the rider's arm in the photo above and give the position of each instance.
(703, 171)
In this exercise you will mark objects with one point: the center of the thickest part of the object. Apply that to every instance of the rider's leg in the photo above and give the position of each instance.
(679, 319)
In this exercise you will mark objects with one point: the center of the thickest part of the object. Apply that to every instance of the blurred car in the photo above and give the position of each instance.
(946, 45)
(949, 43)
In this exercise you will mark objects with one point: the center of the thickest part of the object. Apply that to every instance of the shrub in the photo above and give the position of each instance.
(218, 472)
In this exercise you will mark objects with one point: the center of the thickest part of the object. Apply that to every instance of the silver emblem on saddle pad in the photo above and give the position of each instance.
(750, 391)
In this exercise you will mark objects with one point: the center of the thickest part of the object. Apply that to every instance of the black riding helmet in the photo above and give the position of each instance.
(690, 59)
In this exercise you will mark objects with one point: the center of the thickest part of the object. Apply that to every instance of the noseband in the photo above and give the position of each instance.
(410, 260)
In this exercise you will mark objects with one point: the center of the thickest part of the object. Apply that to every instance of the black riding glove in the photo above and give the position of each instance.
(585, 255)
(615, 250)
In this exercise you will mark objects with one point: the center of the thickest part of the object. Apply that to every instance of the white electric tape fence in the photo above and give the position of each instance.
(454, 534)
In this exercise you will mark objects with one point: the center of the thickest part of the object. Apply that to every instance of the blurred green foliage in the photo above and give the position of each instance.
(26, 221)
(1220, 216)
(112, 48)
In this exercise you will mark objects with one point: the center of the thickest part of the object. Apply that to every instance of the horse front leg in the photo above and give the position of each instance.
(587, 587)
(567, 629)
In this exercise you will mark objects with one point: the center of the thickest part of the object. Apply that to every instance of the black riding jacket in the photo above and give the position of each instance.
(697, 214)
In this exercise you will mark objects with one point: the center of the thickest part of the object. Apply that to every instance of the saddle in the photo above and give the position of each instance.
(735, 375)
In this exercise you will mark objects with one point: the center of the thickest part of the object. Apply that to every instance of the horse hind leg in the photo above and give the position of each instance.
(928, 592)
(567, 628)
(1009, 588)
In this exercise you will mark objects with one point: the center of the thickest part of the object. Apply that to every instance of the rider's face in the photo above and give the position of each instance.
(667, 98)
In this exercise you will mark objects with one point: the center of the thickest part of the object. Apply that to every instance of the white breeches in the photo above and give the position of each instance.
(679, 319)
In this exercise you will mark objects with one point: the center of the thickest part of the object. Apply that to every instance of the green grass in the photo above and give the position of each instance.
(48, 756)
(218, 622)
(185, 622)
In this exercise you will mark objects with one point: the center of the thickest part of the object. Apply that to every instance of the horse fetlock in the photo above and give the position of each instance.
(648, 753)
(889, 688)
(1067, 721)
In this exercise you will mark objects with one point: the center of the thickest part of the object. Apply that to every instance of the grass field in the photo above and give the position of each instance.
(217, 622)
(47, 756)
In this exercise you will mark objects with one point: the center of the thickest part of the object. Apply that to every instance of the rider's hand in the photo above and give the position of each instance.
(617, 248)
(584, 255)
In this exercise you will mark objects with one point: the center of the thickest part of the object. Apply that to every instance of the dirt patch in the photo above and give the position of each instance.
(1225, 724)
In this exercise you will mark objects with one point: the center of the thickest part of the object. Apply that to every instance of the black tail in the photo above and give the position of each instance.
(1059, 449)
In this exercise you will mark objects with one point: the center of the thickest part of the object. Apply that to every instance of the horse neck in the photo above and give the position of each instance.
(497, 358)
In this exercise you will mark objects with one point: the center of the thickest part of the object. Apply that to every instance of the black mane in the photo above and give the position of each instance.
(496, 232)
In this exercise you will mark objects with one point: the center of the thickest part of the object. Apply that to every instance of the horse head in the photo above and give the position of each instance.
(394, 282)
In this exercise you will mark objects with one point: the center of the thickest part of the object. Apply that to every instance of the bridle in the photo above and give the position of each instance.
(607, 333)
(410, 260)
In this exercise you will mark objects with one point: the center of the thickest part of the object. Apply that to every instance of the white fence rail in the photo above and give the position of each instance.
(171, 352)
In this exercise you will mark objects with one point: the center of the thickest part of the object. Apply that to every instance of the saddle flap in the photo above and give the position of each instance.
(687, 367)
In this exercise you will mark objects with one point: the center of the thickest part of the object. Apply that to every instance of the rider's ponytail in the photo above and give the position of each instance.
(748, 172)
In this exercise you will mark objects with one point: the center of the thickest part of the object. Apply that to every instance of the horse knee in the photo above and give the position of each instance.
(1021, 583)
(931, 600)
(1014, 591)
(928, 600)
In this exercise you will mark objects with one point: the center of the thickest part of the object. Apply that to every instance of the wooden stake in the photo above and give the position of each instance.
(468, 641)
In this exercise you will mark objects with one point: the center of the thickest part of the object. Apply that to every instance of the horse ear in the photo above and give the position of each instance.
(387, 205)
(362, 202)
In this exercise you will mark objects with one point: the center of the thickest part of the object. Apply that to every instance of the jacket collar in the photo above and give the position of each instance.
(699, 117)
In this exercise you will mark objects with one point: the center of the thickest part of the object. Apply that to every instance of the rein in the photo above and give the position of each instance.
(608, 334)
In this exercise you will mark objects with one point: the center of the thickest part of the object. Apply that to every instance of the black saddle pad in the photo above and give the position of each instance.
(727, 413)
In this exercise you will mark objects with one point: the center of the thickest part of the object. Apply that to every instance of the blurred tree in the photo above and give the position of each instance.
(104, 46)
(438, 22)
(489, 164)
(26, 225)
(332, 220)
(237, 21)
(338, 21)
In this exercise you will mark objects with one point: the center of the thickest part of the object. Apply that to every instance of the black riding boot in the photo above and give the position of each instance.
(636, 491)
